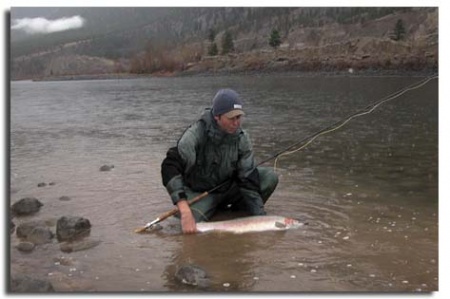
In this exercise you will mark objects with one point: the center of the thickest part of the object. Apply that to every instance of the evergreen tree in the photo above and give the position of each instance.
(227, 43)
(212, 50)
(211, 35)
(275, 39)
(399, 30)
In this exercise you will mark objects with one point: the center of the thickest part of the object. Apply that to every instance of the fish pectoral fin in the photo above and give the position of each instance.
(280, 225)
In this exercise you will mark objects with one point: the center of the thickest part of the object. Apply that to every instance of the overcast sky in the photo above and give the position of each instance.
(44, 26)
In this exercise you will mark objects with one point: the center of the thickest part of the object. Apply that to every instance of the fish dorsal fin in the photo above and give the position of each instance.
(280, 225)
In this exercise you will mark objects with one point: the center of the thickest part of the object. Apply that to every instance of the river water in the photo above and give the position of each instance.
(368, 190)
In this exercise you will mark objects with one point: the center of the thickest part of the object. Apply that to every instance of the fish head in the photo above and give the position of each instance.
(292, 223)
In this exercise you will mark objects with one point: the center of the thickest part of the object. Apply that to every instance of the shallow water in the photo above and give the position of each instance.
(369, 190)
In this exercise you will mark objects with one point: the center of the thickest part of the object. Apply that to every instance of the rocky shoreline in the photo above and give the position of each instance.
(66, 234)
(326, 61)
(69, 233)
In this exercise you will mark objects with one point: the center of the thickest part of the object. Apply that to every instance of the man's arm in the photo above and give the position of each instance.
(172, 169)
(172, 176)
(188, 224)
(178, 160)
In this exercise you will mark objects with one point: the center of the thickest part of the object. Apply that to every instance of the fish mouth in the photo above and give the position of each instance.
(295, 222)
(301, 221)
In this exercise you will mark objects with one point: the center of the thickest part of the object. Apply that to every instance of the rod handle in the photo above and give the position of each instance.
(171, 212)
(175, 210)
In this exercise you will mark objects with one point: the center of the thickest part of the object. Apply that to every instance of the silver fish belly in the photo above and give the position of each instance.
(250, 224)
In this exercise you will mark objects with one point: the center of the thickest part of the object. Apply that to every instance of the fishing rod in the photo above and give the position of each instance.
(175, 210)
(305, 141)
(190, 202)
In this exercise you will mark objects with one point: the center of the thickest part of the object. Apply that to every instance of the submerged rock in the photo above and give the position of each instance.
(106, 167)
(26, 284)
(78, 245)
(69, 228)
(40, 235)
(65, 198)
(35, 231)
(25, 246)
(192, 275)
(24, 229)
(26, 206)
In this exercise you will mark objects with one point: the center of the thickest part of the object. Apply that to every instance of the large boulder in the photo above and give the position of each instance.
(26, 206)
(70, 227)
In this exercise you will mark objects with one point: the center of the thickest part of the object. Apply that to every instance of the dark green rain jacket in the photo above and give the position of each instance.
(205, 157)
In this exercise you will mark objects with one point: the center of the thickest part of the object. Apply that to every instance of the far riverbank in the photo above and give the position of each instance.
(349, 72)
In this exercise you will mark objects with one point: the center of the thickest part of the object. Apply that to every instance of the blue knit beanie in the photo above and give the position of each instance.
(227, 102)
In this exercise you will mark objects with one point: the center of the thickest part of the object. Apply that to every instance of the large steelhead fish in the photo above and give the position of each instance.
(250, 224)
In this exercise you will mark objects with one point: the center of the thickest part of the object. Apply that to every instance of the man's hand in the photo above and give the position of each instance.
(188, 224)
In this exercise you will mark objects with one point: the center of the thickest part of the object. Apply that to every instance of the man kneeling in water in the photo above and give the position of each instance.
(210, 152)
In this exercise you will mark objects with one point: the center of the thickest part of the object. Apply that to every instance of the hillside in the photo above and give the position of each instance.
(167, 41)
